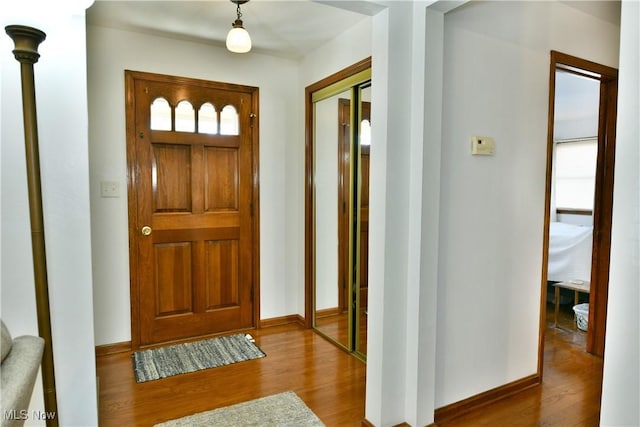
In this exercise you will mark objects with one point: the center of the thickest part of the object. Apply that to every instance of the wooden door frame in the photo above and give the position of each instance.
(133, 176)
(603, 198)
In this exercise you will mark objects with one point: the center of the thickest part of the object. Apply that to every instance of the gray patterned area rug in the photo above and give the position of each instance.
(193, 356)
(279, 410)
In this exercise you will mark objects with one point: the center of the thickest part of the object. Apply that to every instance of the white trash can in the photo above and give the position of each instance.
(582, 315)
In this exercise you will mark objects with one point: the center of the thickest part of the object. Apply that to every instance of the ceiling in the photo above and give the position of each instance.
(607, 10)
(285, 28)
(292, 28)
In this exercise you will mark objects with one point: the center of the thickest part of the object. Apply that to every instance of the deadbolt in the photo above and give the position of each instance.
(146, 230)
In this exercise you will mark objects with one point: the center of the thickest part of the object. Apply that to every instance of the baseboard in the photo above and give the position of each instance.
(282, 320)
(327, 312)
(125, 346)
(456, 409)
(115, 348)
(367, 423)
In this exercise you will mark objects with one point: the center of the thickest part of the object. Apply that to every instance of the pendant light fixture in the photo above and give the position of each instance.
(238, 39)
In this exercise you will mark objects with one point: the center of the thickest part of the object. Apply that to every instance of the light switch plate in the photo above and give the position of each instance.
(109, 189)
(482, 145)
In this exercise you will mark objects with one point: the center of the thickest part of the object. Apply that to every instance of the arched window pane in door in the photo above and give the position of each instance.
(229, 122)
(365, 132)
(185, 117)
(160, 114)
(207, 119)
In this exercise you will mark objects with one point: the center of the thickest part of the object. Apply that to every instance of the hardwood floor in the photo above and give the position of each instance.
(330, 381)
(332, 384)
(570, 390)
(336, 327)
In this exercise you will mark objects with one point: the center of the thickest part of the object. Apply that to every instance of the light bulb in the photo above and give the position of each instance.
(238, 39)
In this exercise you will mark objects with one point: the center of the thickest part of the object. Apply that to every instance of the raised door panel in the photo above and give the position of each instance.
(173, 279)
(221, 179)
(222, 275)
(171, 178)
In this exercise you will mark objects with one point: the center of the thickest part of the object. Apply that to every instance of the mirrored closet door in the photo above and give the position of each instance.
(338, 143)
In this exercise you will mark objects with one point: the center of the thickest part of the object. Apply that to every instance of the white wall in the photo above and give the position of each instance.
(577, 104)
(394, 178)
(344, 50)
(496, 71)
(62, 124)
(621, 376)
(326, 201)
(110, 52)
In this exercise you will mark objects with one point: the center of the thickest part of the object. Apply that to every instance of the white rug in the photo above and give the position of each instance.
(279, 410)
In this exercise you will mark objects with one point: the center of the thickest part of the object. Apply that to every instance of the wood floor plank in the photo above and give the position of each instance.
(330, 381)
(332, 384)
(569, 394)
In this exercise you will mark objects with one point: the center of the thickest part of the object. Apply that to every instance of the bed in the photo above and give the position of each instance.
(569, 252)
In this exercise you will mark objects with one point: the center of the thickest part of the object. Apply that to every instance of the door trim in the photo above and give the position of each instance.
(603, 197)
(133, 176)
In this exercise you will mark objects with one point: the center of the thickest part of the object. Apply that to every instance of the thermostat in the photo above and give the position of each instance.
(482, 145)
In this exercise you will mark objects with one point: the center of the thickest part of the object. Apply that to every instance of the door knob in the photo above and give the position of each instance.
(146, 230)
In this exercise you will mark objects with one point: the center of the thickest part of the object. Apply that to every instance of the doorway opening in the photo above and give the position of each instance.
(579, 197)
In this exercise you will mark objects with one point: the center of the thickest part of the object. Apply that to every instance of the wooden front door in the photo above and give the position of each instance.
(193, 191)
